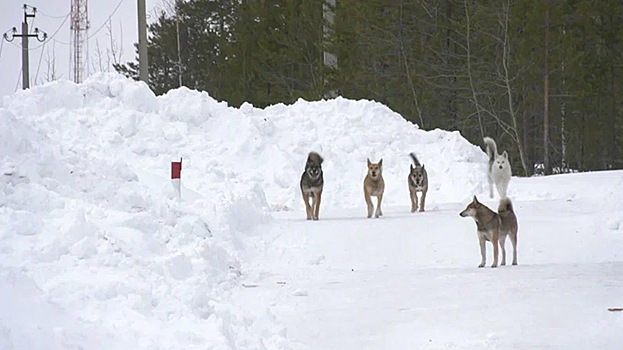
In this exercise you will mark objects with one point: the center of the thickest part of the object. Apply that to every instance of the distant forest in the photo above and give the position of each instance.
(542, 77)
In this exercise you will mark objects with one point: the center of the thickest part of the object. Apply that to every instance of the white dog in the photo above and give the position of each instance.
(499, 170)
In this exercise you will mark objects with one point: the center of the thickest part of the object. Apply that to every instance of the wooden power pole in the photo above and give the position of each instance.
(143, 63)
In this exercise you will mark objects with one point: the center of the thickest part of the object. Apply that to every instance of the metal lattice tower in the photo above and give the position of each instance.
(79, 32)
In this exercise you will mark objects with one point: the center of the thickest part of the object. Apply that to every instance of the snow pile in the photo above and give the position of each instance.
(95, 249)
(346, 133)
(92, 233)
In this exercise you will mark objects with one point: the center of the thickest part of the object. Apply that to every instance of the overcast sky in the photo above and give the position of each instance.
(49, 18)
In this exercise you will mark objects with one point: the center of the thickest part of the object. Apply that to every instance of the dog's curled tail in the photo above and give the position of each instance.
(505, 205)
(492, 148)
(417, 163)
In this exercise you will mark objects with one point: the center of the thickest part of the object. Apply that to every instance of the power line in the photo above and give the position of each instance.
(65, 20)
(49, 16)
(53, 34)
(61, 42)
(1, 45)
(26, 35)
(17, 82)
(106, 21)
(50, 37)
(39, 65)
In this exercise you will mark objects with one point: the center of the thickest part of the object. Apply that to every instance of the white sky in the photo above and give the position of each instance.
(50, 17)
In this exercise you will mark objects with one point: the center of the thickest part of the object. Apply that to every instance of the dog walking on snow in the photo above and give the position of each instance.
(373, 185)
(312, 183)
(418, 182)
(494, 227)
(499, 170)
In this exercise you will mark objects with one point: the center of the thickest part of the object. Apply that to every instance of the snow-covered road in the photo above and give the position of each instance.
(410, 281)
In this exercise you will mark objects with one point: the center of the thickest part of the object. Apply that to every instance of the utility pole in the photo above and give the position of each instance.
(143, 68)
(329, 58)
(179, 48)
(25, 35)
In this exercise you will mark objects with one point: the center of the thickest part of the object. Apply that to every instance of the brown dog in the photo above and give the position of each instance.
(373, 185)
(494, 227)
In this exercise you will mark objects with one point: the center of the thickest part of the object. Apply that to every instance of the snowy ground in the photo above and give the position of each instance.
(409, 281)
(96, 251)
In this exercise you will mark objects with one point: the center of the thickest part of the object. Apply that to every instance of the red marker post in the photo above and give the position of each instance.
(176, 177)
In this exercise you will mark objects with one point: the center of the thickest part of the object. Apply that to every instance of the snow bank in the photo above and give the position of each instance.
(273, 144)
(91, 224)
(93, 242)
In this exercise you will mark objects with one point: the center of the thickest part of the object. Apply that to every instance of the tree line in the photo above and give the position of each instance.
(543, 77)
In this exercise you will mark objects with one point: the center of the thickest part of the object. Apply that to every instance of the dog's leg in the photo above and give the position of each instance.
(379, 212)
(501, 189)
(514, 242)
(423, 201)
(503, 248)
(413, 195)
(314, 205)
(319, 194)
(483, 251)
(369, 203)
(494, 241)
(490, 185)
(308, 209)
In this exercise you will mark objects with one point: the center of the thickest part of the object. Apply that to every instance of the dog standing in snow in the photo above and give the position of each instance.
(373, 185)
(418, 182)
(312, 183)
(499, 170)
(494, 227)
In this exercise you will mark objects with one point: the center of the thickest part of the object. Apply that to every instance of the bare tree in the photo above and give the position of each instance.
(112, 54)
(468, 52)
(50, 62)
(503, 79)
(115, 50)
(513, 129)
(102, 61)
(546, 163)
(407, 68)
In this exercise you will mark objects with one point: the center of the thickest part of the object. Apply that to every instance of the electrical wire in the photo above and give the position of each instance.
(54, 34)
(17, 82)
(106, 21)
(49, 16)
(1, 45)
(39, 65)
(60, 42)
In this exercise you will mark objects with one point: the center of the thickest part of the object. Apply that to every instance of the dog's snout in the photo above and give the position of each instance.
(501, 167)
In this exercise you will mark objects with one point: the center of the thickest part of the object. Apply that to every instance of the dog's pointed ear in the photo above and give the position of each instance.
(411, 167)
(422, 166)
(475, 201)
(320, 159)
(369, 162)
(505, 155)
(381, 162)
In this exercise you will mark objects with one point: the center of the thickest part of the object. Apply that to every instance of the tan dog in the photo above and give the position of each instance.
(418, 182)
(373, 185)
(494, 227)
